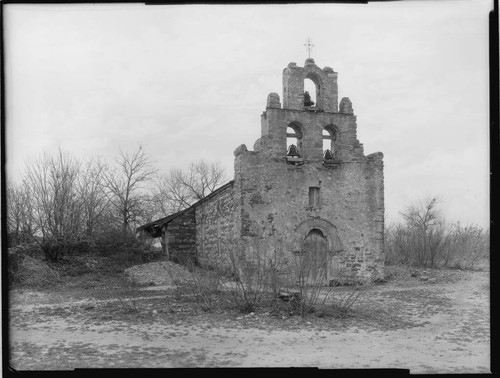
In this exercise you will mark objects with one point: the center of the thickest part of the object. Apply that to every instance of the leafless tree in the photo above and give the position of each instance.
(20, 222)
(125, 185)
(179, 189)
(170, 196)
(423, 214)
(90, 190)
(202, 179)
(51, 182)
(423, 238)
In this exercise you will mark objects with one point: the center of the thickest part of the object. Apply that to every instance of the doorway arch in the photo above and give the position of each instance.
(314, 262)
(317, 236)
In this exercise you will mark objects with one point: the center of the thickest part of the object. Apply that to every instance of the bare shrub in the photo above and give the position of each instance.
(336, 297)
(466, 246)
(233, 278)
(253, 272)
(26, 271)
(397, 271)
(205, 287)
(126, 249)
(427, 240)
(262, 276)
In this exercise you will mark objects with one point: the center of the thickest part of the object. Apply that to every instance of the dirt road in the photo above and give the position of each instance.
(427, 327)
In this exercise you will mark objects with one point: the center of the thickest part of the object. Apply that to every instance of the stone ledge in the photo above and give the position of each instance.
(331, 163)
(294, 160)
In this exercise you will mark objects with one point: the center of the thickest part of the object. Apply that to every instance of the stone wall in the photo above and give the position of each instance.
(273, 201)
(215, 227)
(180, 238)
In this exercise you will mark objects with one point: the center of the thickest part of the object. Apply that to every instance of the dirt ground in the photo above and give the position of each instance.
(437, 325)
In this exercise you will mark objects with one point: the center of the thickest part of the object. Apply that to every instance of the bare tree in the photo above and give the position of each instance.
(51, 182)
(94, 201)
(20, 222)
(170, 196)
(179, 189)
(424, 235)
(202, 179)
(423, 214)
(124, 185)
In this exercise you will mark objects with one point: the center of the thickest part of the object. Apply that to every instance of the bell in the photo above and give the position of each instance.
(293, 151)
(328, 155)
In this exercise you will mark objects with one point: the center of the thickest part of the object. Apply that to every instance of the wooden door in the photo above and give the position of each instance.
(314, 263)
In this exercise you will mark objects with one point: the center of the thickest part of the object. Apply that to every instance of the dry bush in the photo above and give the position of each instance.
(204, 286)
(26, 271)
(318, 296)
(427, 240)
(263, 277)
(230, 279)
(396, 271)
(467, 245)
(448, 246)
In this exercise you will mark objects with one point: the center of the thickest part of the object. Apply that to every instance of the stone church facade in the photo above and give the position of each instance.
(306, 184)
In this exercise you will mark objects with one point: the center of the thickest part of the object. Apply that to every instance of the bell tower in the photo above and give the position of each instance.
(325, 81)
(308, 179)
(303, 131)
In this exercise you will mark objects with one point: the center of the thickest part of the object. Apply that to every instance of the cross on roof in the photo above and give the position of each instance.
(309, 45)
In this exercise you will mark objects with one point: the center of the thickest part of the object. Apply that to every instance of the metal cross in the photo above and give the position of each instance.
(309, 45)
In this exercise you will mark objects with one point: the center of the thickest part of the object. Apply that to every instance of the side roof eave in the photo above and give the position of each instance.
(166, 220)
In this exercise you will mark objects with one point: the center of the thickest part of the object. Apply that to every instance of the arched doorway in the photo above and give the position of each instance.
(314, 265)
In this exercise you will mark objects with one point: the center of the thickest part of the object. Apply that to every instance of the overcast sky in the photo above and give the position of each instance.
(190, 82)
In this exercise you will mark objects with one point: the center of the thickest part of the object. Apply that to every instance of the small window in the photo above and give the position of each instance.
(313, 196)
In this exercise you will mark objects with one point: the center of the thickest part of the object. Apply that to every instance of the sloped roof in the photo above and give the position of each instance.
(154, 228)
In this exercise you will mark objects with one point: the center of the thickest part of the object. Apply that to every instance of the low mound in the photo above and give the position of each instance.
(158, 273)
(30, 272)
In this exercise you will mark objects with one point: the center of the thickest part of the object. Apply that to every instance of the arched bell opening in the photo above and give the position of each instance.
(294, 140)
(312, 91)
(330, 142)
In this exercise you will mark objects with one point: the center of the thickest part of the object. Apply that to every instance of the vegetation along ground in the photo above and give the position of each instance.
(425, 320)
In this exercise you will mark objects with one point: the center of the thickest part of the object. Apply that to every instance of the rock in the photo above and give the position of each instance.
(158, 273)
(288, 297)
(432, 280)
(424, 278)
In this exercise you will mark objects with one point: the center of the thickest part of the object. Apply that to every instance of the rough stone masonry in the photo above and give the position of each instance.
(306, 190)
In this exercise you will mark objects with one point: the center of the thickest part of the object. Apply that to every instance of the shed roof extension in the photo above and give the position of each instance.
(154, 228)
